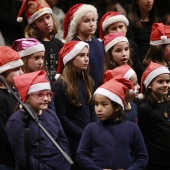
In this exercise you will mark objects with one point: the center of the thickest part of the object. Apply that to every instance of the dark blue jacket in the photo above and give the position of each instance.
(43, 153)
(107, 145)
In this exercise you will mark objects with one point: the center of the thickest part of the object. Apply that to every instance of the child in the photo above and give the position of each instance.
(112, 22)
(10, 66)
(117, 51)
(32, 53)
(126, 71)
(34, 89)
(159, 45)
(43, 26)
(80, 23)
(73, 92)
(154, 115)
(112, 143)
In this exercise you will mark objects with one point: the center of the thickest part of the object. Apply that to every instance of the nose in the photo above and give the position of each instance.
(41, 61)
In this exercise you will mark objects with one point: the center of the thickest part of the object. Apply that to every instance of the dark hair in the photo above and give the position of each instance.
(155, 54)
(135, 15)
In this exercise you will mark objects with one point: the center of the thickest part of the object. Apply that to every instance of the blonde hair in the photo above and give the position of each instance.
(32, 32)
(69, 80)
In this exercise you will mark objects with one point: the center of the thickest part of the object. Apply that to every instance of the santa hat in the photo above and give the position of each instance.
(9, 59)
(27, 46)
(112, 39)
(31, 82)
(152, 70)
(110, 18)
(122, 71)
(33, 10)
(115, 90)
(160, 34)
(74, 16)
(69, 51)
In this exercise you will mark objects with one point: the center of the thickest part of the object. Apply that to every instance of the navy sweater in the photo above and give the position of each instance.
(73, 118)
(43, 153)
(107, 145)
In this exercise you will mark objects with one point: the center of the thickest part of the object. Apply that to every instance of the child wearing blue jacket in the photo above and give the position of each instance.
(112, 143)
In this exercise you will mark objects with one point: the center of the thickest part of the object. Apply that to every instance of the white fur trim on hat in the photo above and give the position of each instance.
(31, 50)
(115, 41)
(163, 40)
(114, 19)
(77, 48)
(38, 87)
(155, 73)
(39, 13)
(11, 65)
(78, 15)
(110, 95)
(129, 74)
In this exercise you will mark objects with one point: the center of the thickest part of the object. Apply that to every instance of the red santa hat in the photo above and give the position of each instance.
(69, 51)
(31, 82)
(112, 39)
(9, 59)
(110, 18)
(74, 16)
(122, 71)
(33, 10)
(27, 46)
(152, 70)
(115, 90)
(160, 34)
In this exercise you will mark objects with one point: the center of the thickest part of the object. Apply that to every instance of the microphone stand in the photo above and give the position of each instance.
(31, 112)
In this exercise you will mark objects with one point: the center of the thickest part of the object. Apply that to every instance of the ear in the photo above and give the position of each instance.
(117, 108)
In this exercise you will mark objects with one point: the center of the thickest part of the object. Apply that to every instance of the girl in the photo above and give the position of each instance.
(112, 22)
(154, 115)
(127, 72)
(80, 23)
(112, 143)
(34, 89)
(143, 14)
(117, 51)
(10, 66)
(32, 53)
(73, 92)
(43, 26)
(159, 45)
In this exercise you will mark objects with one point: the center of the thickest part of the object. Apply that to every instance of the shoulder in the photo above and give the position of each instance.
(58, 41)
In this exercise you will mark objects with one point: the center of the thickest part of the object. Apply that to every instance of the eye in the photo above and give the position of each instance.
(40, 95)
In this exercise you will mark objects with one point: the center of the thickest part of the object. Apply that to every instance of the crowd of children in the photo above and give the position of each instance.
(85, 92)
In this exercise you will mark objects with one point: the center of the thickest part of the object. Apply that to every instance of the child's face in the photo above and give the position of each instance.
(117, 27)
(103, 107)
(39, 100)
(145, 5)
(121, 53)
(10, 74)
(167, 53)
(160, 86)
(81, 61)
(44, 24)
(87, 25)
(36, 61)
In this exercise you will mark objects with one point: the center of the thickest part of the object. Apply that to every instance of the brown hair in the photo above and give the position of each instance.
(69, 79)
(110, 64)
(155, 54)
(32, 32)
(25, 67)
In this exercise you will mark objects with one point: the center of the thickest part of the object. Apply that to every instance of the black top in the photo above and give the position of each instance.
(7, 107)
